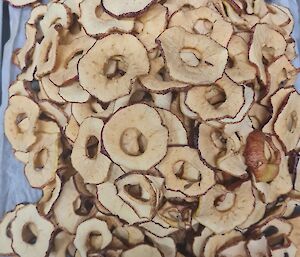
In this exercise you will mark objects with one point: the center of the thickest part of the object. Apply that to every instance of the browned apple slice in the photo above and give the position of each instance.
(262, 157)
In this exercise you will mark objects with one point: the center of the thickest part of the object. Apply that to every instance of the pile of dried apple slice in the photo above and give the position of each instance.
(157, 129)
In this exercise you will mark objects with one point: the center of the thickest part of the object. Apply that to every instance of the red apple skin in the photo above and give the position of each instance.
(264, 170)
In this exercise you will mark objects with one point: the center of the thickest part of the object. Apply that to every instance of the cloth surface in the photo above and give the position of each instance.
(14, 188)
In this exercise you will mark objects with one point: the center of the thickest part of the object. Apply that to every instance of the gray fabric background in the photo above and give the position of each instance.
(14, 188)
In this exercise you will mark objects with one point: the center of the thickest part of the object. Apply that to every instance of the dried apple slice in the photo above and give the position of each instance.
(57, 14)
(280, 184)
(211, 56)
(47, 52)
(25, 53)
(184, 109)
(257, 7)
(135, 138)
(61, 243)
(51, 90)
(276, 101)
(200, 241)
(235, 16)
(37, 13)
(224, 99)
(222, 210)
(92, 108)
(184, 171)
(132, 61)
(18, 88)
(216, 242)
(152, 24)
(275, 16)
(95, 167)
(143, 249)
(31, 232)
(74, 93)
(98, 23)
(65, 208)
(157, 80)
(249, 96)
(290, 51)
(54, 112)
(6, 240)
(239, 69)
(262, 157)
(50, 194)
(43, 160)
(67, 60)
(177, 132)
(139, 193)
(222, 149)
(130, 234)
(257, 247)
(72, 129)
(287, 124)
(165, 245)
(74, 32)
(288, 26)
(256, 215)
(203, 21)
(174, 215)
(47, 127)
(280, 73)
(162, 100)
(21, 139)
(115, 205)
(259, 115)
(266, 45)
(92, 236)
(119, 8)
(29, 73)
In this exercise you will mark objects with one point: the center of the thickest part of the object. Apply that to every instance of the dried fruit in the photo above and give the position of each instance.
(20, 122)
(135, 138)
(98, 23)
(132, 60)
(86, 158)
(222, 210)
(221, 100)
(31, 232)
(262, 157)
(184, 171)
(156, 128)
(125, 8)
(209, 58)
(267, 44)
